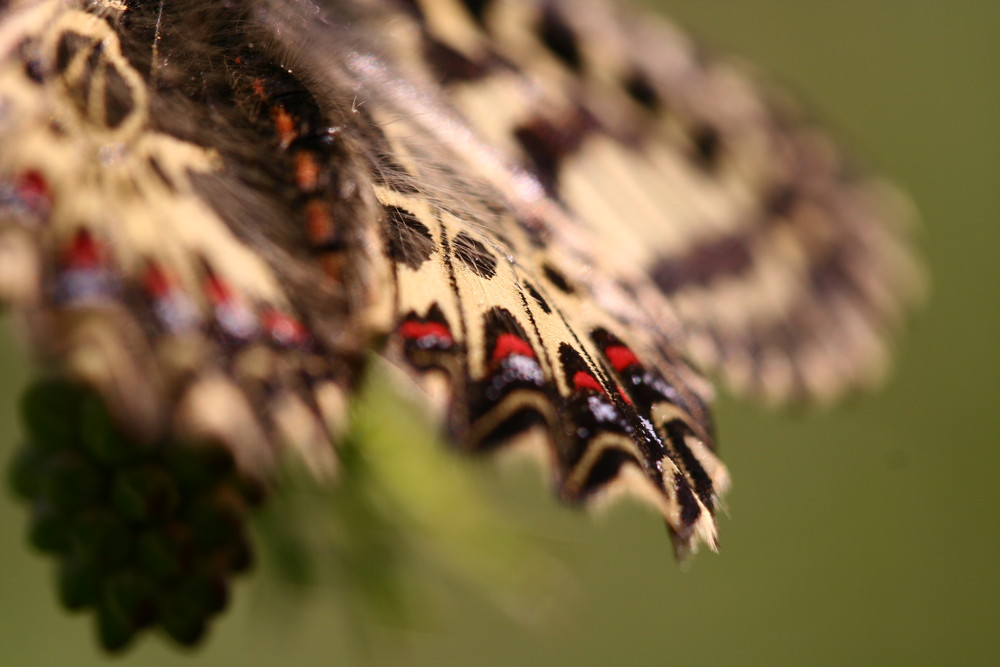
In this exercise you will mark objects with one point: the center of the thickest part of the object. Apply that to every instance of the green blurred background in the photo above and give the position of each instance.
(864, 535)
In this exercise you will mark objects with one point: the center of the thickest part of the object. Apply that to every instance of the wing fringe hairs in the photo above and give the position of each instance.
(211, 212)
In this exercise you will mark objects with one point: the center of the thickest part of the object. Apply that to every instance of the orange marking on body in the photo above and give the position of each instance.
(258, 88)
(333, 265)
(319, 222)
(307, 171)
(284, 125)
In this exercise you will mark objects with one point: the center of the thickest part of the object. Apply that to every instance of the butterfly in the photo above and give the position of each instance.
(553, 217)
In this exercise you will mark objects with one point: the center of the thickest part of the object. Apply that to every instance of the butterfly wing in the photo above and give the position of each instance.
(752, 239)
(519, 356)
(155, 254)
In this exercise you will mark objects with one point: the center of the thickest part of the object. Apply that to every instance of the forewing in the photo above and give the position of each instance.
(739, 226)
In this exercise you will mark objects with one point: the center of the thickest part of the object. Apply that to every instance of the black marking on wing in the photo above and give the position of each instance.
(474, 255)
(538, 298)
(707, 146)
(558, 36)
(409, 240)
(479, 9)
(548, 143)
(642, 91)
(703, 264)
(556, 278)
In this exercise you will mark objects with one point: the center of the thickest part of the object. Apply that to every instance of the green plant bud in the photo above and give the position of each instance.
(79, 583)
(252, 491)
(71, 482)
(218, 519)
(198, 466)
(182, 543)
(50, 410)
(202, 593)
(101, 437)
(49, 529)
(26, 470)
(158, 554)
(102, 538)
(189, 605)
(114, 632)
(235, 557)
(214, 592)
(132, 596)
(185, 630)
(146, 493)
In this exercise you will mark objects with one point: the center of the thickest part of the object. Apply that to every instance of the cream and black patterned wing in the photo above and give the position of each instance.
(155, 255)
(517, 357)
(769, 259)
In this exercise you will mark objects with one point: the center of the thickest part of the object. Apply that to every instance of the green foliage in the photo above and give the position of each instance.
(145, 535)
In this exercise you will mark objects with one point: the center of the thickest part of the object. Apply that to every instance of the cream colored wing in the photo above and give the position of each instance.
(765, 254)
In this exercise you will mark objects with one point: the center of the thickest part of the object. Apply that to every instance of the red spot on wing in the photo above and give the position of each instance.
(284, 328)
(621, 357)
(232, 312)
(508, 344)
(156, 281)
(415, 330)
(33, 189)
(217, 290)
(84, 252)
(583, 380)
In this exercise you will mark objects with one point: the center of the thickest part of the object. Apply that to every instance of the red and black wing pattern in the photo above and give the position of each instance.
(515, 359)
